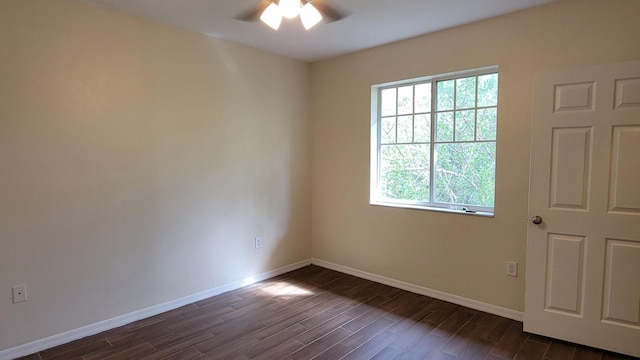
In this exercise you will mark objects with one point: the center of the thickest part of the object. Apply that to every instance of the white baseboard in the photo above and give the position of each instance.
(63, 338)
(459, 300)
(79, 333)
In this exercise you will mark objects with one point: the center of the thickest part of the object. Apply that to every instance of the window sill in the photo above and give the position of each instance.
(433, 208)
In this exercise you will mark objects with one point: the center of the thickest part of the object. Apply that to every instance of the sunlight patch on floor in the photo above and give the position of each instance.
(285, 289)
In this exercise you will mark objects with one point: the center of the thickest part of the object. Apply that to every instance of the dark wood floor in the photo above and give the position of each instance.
(315, 313)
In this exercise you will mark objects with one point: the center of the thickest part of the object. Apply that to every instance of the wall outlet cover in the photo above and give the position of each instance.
(512, 268)
(19, 293)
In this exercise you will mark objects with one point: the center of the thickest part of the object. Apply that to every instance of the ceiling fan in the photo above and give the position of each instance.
(311, 12)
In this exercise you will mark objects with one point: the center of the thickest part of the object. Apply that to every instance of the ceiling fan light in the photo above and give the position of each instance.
(289, 8)
(272, 16)
(310, 16)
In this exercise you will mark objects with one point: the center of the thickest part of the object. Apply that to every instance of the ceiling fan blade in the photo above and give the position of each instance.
(329, 13)
(253, 14)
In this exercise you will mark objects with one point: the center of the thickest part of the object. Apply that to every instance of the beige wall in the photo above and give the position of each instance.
(458, 254)
(138, 162)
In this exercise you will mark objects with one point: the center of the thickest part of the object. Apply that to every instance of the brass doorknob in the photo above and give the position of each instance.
(536, 220)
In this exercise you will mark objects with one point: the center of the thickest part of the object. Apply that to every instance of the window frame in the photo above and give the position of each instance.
(375, 197)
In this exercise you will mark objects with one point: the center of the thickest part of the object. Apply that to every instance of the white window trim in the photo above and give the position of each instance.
(374, 193)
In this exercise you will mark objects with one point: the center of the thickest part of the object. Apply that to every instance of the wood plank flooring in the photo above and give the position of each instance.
(315, 313)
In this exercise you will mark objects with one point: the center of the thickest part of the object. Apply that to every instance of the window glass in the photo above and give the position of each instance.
(456, 170)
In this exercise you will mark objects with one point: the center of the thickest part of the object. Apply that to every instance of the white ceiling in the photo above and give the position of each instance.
(370, 23)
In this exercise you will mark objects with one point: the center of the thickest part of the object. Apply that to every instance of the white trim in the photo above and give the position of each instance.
(79, 333)
(457, 210)
(456, 299)
(485, 70)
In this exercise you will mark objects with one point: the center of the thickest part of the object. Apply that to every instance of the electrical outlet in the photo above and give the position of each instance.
(512, 268)
(19, 293)
(258, 242)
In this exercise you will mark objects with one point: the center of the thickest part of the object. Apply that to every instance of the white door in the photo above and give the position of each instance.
(583, 259)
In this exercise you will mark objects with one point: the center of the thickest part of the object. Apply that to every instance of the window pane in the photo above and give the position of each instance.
(405, 100)
(487, 120)
(464, 173)
(465, 125)
(423, 98)
(404, 172)
(422, 128)
(437, 141)
(388, 102)
(388, 130)
(445, 95)
(488, 90)
(466, 93)
(444, 126)
(405, 129)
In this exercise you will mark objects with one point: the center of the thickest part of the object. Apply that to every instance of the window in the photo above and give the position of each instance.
(433, 142)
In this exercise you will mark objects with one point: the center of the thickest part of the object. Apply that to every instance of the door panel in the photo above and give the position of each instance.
(565, 274)
(622, 289)
(583, 260)
(627, 93)
(574, 97)
(570, 163)
(624, 194)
